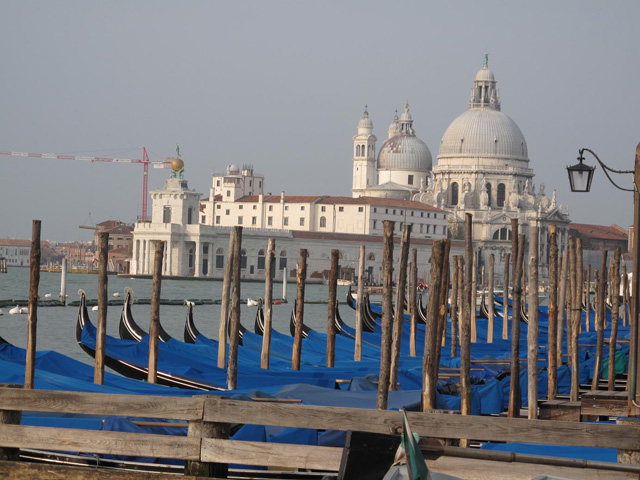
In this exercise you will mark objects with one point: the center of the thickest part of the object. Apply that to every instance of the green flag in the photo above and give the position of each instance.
(416, 465)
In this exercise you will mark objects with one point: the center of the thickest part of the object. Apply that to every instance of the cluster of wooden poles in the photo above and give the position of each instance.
(566, 298)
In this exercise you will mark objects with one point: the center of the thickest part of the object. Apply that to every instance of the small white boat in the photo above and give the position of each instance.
(15, 310)
(24, 310)
(344, 282)
(47, 295)
(1, 312)
(251, 302)
(94, 308)
(116, 294)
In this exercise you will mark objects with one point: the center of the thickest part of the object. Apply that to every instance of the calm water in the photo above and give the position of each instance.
(56, 325)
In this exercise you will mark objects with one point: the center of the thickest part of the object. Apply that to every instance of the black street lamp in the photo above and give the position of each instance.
(580, 177)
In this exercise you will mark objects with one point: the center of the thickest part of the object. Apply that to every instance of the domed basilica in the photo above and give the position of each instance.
(482, 168)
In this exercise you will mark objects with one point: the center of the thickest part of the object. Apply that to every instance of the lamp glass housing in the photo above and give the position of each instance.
(580, 176)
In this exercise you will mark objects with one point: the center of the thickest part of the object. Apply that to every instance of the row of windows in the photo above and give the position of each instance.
(499, 199)
(421, 228)
(22, 251)
(365, 151)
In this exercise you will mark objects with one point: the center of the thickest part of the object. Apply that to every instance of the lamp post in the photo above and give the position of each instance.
(580, 177)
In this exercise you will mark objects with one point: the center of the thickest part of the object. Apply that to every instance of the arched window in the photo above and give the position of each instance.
(489, 193)
(357, 150)
(371, 257)
(261, 260)
(363, 150)
(502, 234)
(220, 258)
(243, 258)
(454, 193)
(323, 222)
(501, 194)
(283, 260)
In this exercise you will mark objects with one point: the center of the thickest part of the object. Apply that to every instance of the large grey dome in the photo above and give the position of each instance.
(404, 152)
(483, 132)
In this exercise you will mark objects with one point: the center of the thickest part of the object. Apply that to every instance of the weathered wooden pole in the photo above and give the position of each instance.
(413, 307)
(572, 304)
(587, 297)
(454, 306)
(625, 294)
(63, 281)
(600, 316)
(387, 292)
(357, 354)
(514, 388)
(461, 297)
(465, 328)
(234, 340)
(284, 284)
(442, 306)
(562, 304)
(492, 261)
(552, 332)
(154, 325)
(224, 306)
(474, 300)
(532, 327)
(431, 331)
(101, 334)
(505, 298)
(401, 286)
(301, 279)
(579, 285)
(268, 303)
(615, 315)
(331, 311)
(514, 259)
(32, 326)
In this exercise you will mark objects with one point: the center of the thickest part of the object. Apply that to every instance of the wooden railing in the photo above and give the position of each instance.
(208, 419)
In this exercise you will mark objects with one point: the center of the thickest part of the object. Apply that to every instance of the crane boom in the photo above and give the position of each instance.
(144, 161)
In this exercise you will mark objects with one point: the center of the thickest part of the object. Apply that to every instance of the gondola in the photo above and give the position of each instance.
(127, 369)
(191, 332)
(484, 309)
(258, 324)
(128, 328)
(292, 324)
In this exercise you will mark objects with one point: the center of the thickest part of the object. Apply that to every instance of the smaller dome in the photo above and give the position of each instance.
(406, 116)
(404, 152)
(233, 169)
(177, 164)
(485, 75)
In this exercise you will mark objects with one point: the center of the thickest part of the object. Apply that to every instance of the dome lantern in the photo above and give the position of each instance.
(484, 93)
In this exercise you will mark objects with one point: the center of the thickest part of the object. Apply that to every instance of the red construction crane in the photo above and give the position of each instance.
(144, 161)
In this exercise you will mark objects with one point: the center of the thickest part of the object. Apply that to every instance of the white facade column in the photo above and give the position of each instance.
(198, 255)
(211, 259)
(133, 266)
(169, 257)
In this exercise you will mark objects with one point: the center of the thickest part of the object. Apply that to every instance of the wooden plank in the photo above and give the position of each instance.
(603, 403)
(90, 441)
(271, 454)
(174, 408)
(560, 410)
(29, 471)
(435, 425)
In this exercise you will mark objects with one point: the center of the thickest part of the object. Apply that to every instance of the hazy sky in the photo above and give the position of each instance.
(282, 85)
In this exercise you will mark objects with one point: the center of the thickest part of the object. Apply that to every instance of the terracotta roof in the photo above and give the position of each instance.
(601, 232)
(120, 229)
(276, 198)
(14, 242)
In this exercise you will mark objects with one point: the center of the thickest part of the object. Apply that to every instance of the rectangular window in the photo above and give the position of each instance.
(394, 211)
(240, 207)
(285, 221)
(341, 209)
(218, 207)
(166, 214)
(271, 208)
(217, 219)
(250, 182)
(410, 181)
(428, 228)
(412, 214)
(302, 221)
(260, 183)
(270, 221)
(323, 209)
(205, 249)
(254, 220)
(375, 224)
(239, 220)
(255, 207)
(360, 209)
(227, 211)
(204, 219)
(189, 215)
(375, 210)
(217, 183)
(422, 214)
(302, 208)
(286, 208)
(386, 210)
(228, 193)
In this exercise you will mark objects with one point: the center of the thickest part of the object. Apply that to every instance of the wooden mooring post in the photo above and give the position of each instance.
(562, 305)
(207, 430)
(357, 354)
(154, 325)
(387, 293)
(301, 279)
(532, 327)
(413, 307)
(431, 331)
(63, 281)
(587, 298)
(625, 295)
(268, 303)
(101, 334)
(491, 281)
(454, 306)
(514, 387)
(600, 316)
(401, 287)
(505, 298)
(552, 335)
(331, 310)
(615, 314)
(443, 304)
(234, 339)
(467, 318)
(32, 326)
(224, 305)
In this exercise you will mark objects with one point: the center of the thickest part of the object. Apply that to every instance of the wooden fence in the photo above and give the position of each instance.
(208, 419)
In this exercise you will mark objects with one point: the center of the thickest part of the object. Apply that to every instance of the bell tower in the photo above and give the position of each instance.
(364, 156)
